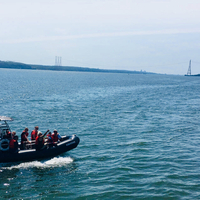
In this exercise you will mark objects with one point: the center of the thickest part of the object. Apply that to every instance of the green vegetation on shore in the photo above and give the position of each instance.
(17, 65)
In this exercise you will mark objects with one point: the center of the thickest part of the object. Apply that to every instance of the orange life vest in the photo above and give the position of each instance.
(34, 134)
(55, 138)
(26, 133)
(37, 141)
(12, 144)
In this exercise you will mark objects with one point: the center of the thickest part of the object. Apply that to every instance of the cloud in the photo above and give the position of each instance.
(100, 35)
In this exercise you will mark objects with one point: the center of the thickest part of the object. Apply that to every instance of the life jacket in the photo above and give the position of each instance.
(8, 135)
(39, 142)
(34, 134)
(23, 137)
(25, 133)
(49, 139)
(13, 144)
(55, 137)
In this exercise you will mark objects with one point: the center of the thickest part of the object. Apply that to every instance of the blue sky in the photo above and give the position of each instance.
(153, 35)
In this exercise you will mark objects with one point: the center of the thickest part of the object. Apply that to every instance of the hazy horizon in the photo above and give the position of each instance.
(158, 36)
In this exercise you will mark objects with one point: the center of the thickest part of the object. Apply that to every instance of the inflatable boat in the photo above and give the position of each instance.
(67, 143)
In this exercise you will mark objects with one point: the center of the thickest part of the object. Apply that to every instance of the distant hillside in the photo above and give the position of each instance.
(16, 65)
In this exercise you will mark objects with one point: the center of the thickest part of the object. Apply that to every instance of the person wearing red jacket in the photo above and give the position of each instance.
(26, 132)
(49, 139)
(24, 140)
(13, 134)
(39, 141)
(55, 136)
(8, 135)
(34, 133)
(13, 145)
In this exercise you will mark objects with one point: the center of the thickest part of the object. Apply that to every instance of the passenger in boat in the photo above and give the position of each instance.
(13, 145)
(49, 140)
(26, 131)
(13, 134)
(56, 137)
(34, 133)
(24, 140)
(8, 135)
(39, 142)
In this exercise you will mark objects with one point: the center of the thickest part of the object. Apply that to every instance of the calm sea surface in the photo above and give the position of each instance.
(139, 135)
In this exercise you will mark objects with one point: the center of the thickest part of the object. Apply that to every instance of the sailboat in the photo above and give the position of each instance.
(189, 70)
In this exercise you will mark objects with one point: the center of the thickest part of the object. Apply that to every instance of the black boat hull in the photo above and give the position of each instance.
(67, 144)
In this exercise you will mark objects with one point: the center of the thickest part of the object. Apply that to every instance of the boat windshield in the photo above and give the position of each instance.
(4, 126)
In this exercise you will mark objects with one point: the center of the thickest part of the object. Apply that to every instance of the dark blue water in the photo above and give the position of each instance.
(140, 135)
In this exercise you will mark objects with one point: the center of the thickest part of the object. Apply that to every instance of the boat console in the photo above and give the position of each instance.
(4, 127)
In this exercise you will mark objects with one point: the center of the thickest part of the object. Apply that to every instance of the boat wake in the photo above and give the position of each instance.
(54, 162)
